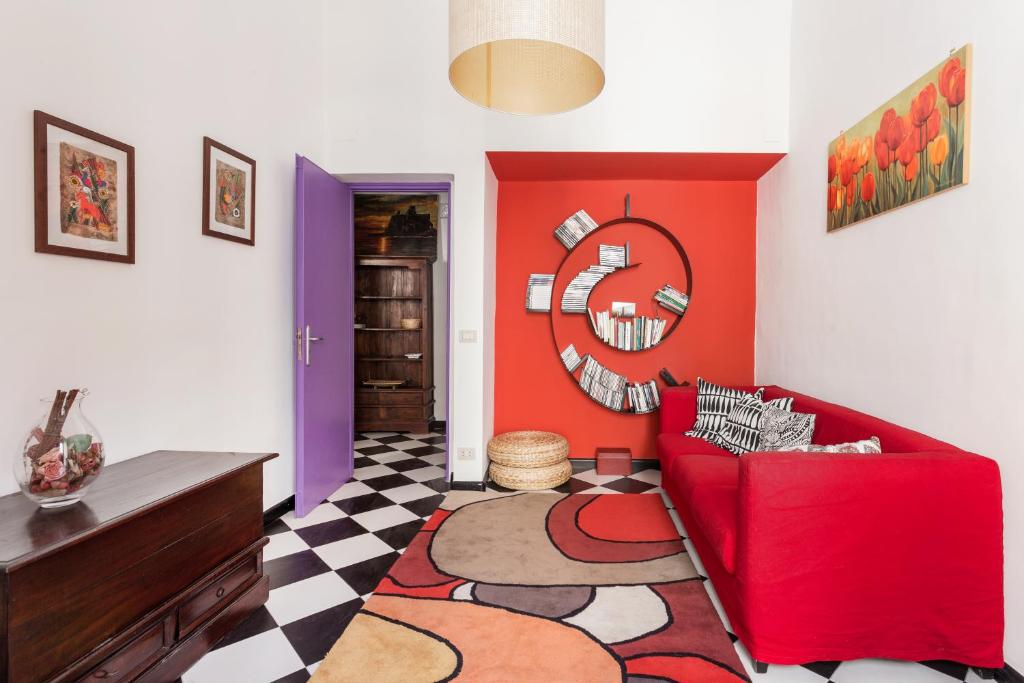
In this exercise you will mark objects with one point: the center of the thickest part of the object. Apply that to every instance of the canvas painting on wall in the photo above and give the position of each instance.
(394, 224)
(84, 192)
(229, 193)
(912, 147)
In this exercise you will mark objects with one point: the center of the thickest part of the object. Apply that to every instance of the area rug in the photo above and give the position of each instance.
(539, 587)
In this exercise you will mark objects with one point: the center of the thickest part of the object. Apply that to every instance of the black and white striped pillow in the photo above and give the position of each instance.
(742, 429)
(714, 403)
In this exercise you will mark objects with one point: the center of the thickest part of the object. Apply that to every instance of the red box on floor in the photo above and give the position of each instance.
(615, 461)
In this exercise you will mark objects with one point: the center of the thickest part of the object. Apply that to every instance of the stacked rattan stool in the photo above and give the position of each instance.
(528, 461)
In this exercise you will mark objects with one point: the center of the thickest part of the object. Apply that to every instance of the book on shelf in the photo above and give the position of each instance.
(538, 292)
(672, 299)
(577, 292)
(571, 358)
(627, 334)
(614, 255)
(643, 397)
(605, 386)
(575, 228)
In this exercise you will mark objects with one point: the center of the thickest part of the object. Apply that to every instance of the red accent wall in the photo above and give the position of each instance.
(714, 221)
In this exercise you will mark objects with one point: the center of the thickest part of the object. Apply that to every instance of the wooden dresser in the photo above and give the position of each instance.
(135, 583)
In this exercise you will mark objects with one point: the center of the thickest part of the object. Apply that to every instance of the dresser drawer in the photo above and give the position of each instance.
(216, 594)
(140, 652)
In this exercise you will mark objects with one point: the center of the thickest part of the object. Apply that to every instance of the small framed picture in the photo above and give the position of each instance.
(229, 193)
(85, 192)
(623, 309)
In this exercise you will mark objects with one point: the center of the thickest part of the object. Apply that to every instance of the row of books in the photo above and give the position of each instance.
(643, 397)
(605, 386)
(672, 299)
(614, 255)
(571, 358)
(577, 292)
(538, 292)
(575, 228)
(627, 334)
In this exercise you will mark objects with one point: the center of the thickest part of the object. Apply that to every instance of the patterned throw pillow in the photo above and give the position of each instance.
(781, 429)
(714, 403)
(742, 428)
(872, 445)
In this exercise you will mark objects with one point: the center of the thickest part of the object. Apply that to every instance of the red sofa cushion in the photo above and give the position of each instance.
(690, 472)
(679, 444)
(714, 509)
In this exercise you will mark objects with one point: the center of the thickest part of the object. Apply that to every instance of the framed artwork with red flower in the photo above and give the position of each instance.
(914, 146)
(84, 192)
(229, 193)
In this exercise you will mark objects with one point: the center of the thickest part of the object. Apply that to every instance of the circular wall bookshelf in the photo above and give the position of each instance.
(592, 377)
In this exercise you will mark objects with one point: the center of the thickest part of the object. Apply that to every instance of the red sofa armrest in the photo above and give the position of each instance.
(892, 555)
(678, 409)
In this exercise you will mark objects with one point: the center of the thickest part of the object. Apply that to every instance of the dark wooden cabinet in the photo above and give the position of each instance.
(388, 290)
(160, 560)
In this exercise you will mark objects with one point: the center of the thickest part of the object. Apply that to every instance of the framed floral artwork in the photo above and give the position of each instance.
(85, 192)
(229, 193)
(914, 146)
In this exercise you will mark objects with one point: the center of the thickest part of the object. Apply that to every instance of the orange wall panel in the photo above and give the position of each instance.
(714, 221)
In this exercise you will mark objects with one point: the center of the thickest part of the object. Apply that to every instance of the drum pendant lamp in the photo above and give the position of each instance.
(526, 56)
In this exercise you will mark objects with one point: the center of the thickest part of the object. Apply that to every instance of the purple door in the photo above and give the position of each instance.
(324, 354)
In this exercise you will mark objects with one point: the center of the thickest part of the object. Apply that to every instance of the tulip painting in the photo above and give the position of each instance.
(912, 147)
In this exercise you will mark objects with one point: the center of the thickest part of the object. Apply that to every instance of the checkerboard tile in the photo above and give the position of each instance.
(323, 566)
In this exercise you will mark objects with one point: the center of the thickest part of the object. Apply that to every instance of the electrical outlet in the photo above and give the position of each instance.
(467, 336)
(466, 453)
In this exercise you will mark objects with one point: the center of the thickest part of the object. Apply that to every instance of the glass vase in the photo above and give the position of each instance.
(62, 454)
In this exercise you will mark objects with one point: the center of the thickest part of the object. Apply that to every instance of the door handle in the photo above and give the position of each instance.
(309, 340)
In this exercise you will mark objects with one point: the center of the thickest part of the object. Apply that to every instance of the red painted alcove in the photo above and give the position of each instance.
(708, 201)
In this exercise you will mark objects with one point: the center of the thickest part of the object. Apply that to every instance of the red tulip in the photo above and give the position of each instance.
(957, 87)
(934, 124)
(846, 170)
(915, 138)
(921, 106)
(832, 196)
(895, 132)
(887, 118)
(948, 69)
(906, 151)
(851, 192)
(911, 170)
(881, 151)
(867, 187)
(831, 167)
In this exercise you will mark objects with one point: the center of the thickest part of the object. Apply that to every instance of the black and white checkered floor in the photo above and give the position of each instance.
(324, 566)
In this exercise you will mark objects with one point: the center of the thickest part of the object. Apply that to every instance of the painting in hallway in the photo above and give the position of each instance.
(392, 224)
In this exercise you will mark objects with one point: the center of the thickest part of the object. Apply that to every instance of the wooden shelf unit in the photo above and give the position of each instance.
(388, 289)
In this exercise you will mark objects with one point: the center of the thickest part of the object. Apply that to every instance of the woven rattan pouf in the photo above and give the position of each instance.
(529, 460)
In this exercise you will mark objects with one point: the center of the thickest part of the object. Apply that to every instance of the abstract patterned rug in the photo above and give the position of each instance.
(539, 587)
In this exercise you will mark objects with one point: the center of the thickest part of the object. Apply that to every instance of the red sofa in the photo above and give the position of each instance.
(833, 557)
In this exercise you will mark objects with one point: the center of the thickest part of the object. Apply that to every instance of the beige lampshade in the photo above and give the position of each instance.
(526, 56)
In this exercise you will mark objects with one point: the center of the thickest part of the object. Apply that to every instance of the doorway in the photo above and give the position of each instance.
(401, 304)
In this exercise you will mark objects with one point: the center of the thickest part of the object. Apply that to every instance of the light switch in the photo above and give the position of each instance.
(467, 336)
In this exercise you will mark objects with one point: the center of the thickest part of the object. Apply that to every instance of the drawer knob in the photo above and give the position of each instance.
(220, 592)
(103, 673)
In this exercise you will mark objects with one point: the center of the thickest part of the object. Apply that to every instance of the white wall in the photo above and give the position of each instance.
(682, 75)
(190, 347)
(914, 316)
